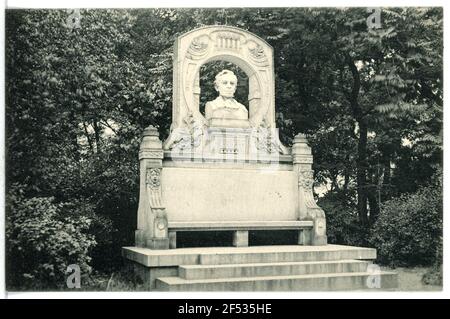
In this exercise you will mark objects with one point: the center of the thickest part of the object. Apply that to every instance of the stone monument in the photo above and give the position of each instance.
(225, 170)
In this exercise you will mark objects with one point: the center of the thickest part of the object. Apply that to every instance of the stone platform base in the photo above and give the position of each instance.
(260, 268)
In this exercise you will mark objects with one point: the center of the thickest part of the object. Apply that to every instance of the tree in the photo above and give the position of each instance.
(377, 82)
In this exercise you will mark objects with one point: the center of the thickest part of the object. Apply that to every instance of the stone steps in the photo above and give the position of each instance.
(260, 268)
(310, 282)
(285, 255)
(194, 272)
(244, 255)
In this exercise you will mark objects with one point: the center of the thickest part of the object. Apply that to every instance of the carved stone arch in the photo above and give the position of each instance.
(223, 43)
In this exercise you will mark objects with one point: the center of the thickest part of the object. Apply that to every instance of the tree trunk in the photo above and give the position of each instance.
(86, 132)
(386, 193)
(374, 207)
(334, 183)
(361, 173)
(361, 164)
(346, 180)
(97, 135)
(373, 196)
(74, 136)
(347, 172)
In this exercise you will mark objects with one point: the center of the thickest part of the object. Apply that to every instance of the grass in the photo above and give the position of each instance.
(411, 279)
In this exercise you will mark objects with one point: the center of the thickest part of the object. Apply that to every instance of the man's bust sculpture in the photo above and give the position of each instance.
(225, 110)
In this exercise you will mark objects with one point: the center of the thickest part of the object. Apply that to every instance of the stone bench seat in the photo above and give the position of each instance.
(241, 229)
(235, 225)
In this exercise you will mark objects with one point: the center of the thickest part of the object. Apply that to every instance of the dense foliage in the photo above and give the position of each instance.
(44, 237)
(409, 228)
(79, 96)
(343, 226)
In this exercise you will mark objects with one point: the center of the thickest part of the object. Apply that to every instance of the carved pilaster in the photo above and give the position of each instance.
(308, 208)
(152, 229)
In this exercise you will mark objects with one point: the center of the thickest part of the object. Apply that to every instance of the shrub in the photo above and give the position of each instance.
(343, 226)
(44, 237)
(106, 253)
(433, 276)
(409, 229)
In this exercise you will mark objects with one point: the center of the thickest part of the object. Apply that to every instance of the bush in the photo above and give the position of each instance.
(343, 227)
(110, 182)
(44, 237)
(409, 229)
(106, 253)
(434, 275)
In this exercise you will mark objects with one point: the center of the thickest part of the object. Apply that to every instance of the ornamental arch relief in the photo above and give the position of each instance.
(223, 43)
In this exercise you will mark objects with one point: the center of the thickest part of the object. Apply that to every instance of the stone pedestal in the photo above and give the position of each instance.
(152, 229)
(308, 209)
(225, 144)
(232, 123)
(240, 238)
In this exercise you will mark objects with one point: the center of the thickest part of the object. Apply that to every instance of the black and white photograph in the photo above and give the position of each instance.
(224, 149)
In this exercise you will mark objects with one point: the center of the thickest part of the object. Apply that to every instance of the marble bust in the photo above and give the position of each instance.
(225, 110)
